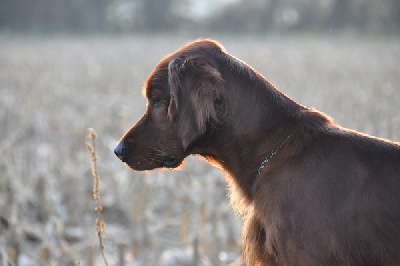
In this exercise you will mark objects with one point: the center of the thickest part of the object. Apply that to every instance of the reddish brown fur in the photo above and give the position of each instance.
(330, 196)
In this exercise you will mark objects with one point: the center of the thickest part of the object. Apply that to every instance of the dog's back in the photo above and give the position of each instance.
(336, 201)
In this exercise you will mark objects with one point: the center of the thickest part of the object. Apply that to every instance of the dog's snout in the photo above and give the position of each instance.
(119, 150)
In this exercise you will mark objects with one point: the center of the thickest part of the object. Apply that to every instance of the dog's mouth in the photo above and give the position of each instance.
(150, 164)
(170, 161)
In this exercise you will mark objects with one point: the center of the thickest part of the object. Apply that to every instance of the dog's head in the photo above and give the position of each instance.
(184, 99)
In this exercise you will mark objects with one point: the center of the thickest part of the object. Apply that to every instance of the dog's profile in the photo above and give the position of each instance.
(311, 192)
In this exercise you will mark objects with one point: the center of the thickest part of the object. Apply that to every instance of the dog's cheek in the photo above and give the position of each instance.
(165, 130)
(174, 139)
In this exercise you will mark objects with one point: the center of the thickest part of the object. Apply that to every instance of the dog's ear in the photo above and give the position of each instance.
(195, 87)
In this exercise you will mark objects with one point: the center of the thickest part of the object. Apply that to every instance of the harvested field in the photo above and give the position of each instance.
(52, 90)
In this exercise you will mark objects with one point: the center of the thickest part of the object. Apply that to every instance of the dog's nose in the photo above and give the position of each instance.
(119, 150)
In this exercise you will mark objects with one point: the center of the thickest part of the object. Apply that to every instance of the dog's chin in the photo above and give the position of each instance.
(151, 164)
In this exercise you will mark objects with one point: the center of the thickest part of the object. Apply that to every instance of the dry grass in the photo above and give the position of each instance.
(100, 225)
(52, 90)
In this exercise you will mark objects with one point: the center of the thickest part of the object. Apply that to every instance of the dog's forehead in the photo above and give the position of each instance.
(158, 79)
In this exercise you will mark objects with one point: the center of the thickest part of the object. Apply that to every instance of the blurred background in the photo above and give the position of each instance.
(66, 66)
(234, 16)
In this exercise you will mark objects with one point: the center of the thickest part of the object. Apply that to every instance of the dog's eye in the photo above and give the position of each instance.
(156, 103)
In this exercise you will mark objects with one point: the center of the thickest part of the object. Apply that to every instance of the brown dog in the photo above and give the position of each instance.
(313, 193)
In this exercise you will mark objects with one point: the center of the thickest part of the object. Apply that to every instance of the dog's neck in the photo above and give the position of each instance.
(257, 119)
(253, 134)
(241, 160)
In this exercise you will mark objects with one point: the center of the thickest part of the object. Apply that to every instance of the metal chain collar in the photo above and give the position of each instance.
(264, 163)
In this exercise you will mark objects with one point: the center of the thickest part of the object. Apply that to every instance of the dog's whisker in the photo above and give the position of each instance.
(160, 152)
(155, 160)
(152, 154)
(149, 162)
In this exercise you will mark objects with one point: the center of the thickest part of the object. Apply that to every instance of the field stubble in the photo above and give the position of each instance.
(53, 90)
